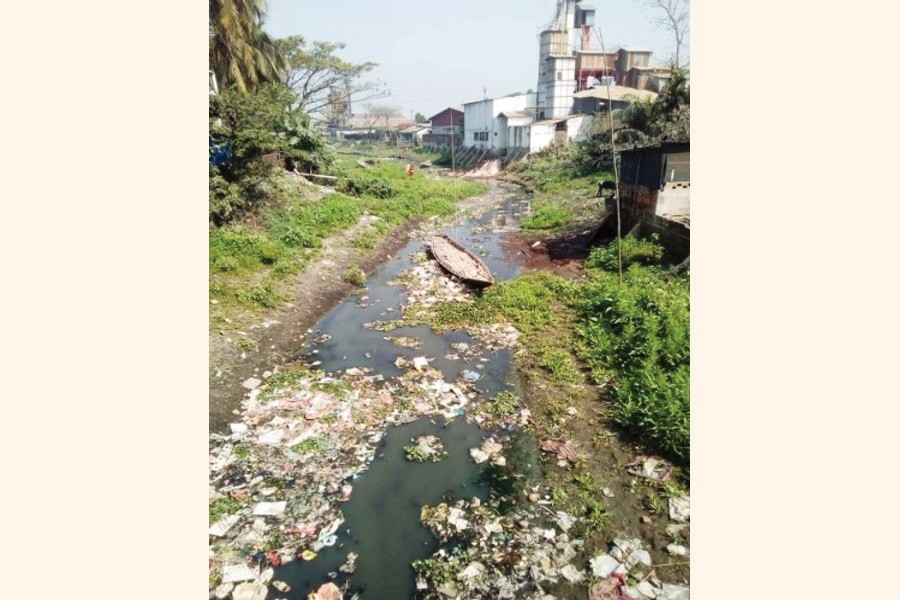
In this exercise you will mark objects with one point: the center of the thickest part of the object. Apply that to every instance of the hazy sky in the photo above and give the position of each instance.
(436, 53)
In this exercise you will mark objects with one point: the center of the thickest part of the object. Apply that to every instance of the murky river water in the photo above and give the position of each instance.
(382, 517)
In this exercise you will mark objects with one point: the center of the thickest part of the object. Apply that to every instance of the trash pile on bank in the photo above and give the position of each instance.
(527, 554)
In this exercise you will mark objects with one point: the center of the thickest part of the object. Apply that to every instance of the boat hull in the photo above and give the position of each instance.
(460, 262)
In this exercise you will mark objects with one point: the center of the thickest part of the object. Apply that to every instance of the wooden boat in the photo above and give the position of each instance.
(451, 255)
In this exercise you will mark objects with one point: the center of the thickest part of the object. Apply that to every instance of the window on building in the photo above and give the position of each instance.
(481, 136)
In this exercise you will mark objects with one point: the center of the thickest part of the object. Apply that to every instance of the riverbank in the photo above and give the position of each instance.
(570, 485)
(272, 278)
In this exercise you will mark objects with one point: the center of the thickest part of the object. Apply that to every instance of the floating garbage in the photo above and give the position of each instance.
(249, 591)
(328, 591)
(350, 565)
(470, 376)
(426, 448)
(489, 450)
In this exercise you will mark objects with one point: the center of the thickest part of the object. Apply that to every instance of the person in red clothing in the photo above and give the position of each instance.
(410, 169)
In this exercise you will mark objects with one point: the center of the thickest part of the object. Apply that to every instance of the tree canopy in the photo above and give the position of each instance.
(241, 54)
(320, 79)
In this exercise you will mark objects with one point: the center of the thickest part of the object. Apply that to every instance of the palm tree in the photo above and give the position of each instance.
(241, 54)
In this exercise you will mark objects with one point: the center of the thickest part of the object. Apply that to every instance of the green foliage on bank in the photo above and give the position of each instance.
(250, 259)
(634, 251)
(637, 336)
(634, 336)
(547, 217)
(263, 134)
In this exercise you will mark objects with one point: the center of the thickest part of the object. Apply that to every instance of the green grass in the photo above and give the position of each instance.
(548, 217)
(637, 335)
(367, 240)
(261, 295)
(501, 405)
(223, 507)
(558, 169)
(634, 336)
(337, 388)
(315, 444)
(249, 263)
(242, 452)
(634, 251)
(355, 276)
(283, 379)
(247, 344)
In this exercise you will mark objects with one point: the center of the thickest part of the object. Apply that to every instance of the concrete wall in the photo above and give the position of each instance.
(541, 136)
(674, 199)
(674, 236)
(579, 128)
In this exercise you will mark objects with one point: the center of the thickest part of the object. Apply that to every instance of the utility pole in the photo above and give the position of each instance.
(452, 145)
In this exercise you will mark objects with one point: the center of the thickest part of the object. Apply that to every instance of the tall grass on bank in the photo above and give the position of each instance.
(637, 335)
(247, 260)
(633, 336)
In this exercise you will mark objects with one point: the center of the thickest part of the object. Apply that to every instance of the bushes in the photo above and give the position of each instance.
(553, 168)
(236, 248)
(248, 126)
(306, 225)
(360, 184)
(634, 251)
(638, 334)
(547, 217)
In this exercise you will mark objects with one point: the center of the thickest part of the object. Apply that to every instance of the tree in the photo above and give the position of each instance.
(676, 18)
(240, 54)
(420, 118)
(321, 80)
(667, 117)
(381, 112)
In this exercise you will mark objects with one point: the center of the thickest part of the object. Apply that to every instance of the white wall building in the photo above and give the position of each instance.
(534, 136)
(483, 128)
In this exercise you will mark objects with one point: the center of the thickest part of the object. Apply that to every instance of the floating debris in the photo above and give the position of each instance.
(490, 450)
(404, 342)
(426, 448)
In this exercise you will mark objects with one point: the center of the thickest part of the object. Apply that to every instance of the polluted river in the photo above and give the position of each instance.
(303, 528)
(382, 523)
(388, 460)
